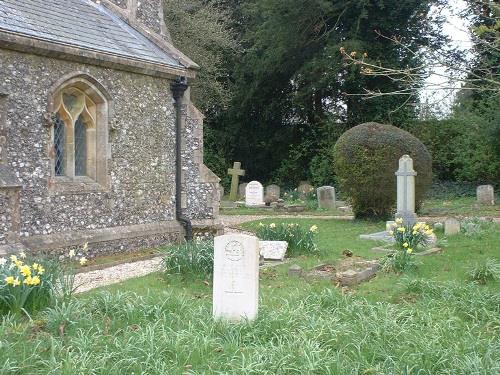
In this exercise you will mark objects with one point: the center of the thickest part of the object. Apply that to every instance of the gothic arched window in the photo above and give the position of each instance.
(79, 133)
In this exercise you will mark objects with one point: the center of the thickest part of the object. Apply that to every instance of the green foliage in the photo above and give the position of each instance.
(300, 240)
(194, 258)
(27, 285)
(398, 261)
(308, 199)
(366, 158)
(485, 271)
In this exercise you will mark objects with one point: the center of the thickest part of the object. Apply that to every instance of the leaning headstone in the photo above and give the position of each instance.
(235, 174)
(486, 195)
(273, 250)
(236, 277)
(326, 197)
(254, 194)
(272, 193)
(304, 188)
(451, 227)
(406, 191)
(241, 190)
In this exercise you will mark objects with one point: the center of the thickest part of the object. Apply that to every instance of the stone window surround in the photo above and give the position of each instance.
(99, 181)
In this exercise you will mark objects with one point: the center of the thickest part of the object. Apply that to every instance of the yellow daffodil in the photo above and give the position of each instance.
(72, 254)
(26, 271)
(9, 280)
(409, 251)
(35, 266)
(13, 258)
(429, 232)
(83, 261)
(414, 232)
(391, 232)
(314, 229)
(32, 281)
(16, 282)
(22, 255)
(85, 247)
(261, 225)
(272, 225)
(416, 227)
(399, 221)
(402, 229)
(405, 245)
(40, 270)
(18, 263)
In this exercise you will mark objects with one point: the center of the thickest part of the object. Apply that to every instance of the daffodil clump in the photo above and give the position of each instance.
(300, 239)
(24, 283)
(411, 238)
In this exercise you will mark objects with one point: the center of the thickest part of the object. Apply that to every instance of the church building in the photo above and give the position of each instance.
(99, 140)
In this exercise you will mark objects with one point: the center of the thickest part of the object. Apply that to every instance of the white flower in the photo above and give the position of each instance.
(22, 255)
(83, 261)
(72, 253)
(3, 261)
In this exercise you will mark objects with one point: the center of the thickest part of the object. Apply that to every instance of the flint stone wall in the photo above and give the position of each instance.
(141, 157)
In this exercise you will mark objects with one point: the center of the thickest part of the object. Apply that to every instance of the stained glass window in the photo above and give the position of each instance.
(80, 148)
(59, 145)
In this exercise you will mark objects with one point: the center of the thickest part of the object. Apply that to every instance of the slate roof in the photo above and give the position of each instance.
(82, 24)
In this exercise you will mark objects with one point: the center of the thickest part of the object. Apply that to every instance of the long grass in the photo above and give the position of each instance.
(450, 329)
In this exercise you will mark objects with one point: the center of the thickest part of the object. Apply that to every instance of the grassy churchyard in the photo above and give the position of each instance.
(434, 319)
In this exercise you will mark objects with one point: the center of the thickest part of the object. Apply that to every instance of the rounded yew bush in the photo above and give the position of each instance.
(366, 159)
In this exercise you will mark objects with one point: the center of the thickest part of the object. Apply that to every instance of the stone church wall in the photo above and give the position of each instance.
(136, 209)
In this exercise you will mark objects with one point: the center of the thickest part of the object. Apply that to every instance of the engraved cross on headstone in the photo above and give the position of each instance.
(406, 191)
(235, 172)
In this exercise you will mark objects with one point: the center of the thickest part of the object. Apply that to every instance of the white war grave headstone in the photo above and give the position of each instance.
(406, 191)
(236, 277)
(254, 194)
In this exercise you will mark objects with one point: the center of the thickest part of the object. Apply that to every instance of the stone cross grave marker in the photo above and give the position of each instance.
(406, 191)
(486, 195)
(254, 194)
(272, 193)
(273, 250)
(236, 277)
(235, 172)
(326, 197)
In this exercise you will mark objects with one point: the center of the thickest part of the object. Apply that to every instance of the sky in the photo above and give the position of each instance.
(456, 28)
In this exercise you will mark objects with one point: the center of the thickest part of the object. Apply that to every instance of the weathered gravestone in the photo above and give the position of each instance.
(406, 191)
(221, 192)
(326, 197)
(451, 227)
(254, 194)
(241, 190)
(486, 195)
(236, 277)
(273, 250)
(304, 188)
(272, 193)
(235, 174)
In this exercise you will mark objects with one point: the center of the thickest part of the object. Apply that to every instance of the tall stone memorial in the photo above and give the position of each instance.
(406, 191)
(254, 194)
(236, 277)
(235, 174)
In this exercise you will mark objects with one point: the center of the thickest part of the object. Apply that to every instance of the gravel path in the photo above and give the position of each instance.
(111, 275)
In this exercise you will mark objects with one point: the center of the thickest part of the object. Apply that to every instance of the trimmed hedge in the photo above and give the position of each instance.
(365, 160)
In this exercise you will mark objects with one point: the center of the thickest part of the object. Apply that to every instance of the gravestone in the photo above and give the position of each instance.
(406, 191)
(273, 250)
(326, 197)
(241, 190)
(221, 192)
(254, 194)
(236, 277)
(451, 227)
(486, 195)
(272, 193)
(304, 188)
(235, 174)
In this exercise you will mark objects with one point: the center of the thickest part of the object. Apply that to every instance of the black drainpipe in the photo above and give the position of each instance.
(178, 87)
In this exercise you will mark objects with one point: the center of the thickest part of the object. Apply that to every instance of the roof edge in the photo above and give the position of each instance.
(29, 44)
(153, 37)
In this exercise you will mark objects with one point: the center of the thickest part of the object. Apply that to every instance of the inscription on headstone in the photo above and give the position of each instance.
(273, 250)
(326, 197)
(254, 194)
(486, 194)
(236, 277)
